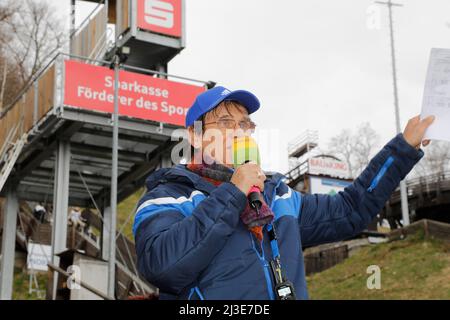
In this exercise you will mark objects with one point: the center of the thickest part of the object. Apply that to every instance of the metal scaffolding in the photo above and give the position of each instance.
(80, 157)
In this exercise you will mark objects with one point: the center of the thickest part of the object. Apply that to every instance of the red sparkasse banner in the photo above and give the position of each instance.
(140, 96)
(161, 16)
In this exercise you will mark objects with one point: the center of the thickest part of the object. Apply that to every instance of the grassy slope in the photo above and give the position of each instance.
(124, 209)
(21, 283)
(413, 268)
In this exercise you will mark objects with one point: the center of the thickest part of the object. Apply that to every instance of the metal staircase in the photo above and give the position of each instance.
(89, 40)
(11, 157)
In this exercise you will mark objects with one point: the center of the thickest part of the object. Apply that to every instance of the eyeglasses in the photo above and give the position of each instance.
(231, 124)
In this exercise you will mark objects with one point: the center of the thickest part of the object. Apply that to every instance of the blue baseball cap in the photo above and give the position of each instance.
(209, 99)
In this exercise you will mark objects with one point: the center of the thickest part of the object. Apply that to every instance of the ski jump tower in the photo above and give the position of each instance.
(56, 139)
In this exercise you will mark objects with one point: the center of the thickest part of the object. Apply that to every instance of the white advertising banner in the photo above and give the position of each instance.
(328, 166)
(38, 256)
(327, 185)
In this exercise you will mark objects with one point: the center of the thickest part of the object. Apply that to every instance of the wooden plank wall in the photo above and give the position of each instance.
(125, 16)
(88, 41)
(320, 260)
(20, 117)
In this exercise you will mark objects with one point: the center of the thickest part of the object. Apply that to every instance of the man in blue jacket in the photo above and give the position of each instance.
(197, 238)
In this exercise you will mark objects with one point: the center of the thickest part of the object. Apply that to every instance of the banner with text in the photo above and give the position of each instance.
(140, 96)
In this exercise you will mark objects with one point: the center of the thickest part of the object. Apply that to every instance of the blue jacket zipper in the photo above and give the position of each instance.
(380, 173)
(197, 290)
(266, 267)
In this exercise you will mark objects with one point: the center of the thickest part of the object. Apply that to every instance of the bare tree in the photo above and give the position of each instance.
(342, 146)
(366, 143)
(9, 82)
(436, 160)
(7, 10)
(36, 34)
(355, 149)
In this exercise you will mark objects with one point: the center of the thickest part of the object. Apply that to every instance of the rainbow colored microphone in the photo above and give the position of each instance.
(245, 150)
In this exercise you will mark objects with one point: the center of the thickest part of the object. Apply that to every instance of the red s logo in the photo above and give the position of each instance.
(161, 16)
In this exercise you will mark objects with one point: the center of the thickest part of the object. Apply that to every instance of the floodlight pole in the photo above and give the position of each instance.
(403, 190)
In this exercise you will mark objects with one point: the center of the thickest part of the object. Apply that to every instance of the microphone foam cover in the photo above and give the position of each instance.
(245, 149)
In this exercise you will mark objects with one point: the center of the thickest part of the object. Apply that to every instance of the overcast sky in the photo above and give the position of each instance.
(313, 64)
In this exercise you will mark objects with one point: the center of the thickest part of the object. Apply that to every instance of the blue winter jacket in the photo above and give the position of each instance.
(191, 243)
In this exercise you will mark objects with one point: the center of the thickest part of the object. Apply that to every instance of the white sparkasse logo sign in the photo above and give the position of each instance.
(38, 256)
(159, 13)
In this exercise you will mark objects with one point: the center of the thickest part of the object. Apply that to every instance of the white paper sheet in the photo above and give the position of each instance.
(436, 96)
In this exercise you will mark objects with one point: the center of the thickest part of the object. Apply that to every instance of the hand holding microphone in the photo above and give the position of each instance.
(248, 175)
